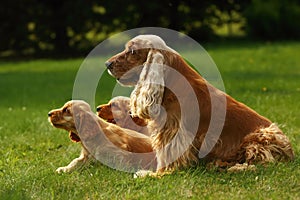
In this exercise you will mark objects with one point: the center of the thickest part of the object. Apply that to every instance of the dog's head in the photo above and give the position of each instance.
(127, 65)
(142, 63)
(64, 117)
(117, 111)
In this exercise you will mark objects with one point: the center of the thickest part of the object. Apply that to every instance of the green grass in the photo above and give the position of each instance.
(265, 76)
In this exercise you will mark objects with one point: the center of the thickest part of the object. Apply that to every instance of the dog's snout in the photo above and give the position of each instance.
(98, 109)
(108, 64)
(50, 114)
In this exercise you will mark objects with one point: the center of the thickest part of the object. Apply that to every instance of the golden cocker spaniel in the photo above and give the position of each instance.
(117, 111)
(170, 94)
(99, 137)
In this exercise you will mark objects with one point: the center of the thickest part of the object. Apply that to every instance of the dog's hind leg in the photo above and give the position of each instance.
(265, 146)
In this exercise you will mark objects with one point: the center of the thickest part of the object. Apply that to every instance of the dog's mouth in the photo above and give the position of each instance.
(111, 73)
(56, 124)
(113, 121)
(127, 82)
(129, 78)
(73, 136)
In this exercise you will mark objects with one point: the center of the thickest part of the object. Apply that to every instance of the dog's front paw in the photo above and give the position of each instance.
(147, 173)
(63, 170)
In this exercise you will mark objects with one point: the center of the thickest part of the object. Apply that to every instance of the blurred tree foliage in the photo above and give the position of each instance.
(273, 19)
(72, 26)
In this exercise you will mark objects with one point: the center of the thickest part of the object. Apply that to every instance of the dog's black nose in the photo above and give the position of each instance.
(49, 114)
(108, 64)
(98, 109)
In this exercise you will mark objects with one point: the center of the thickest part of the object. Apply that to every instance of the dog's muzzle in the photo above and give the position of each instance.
(109, 68)
(108, 64)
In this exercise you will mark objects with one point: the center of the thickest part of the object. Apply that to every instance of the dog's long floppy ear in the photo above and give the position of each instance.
(87, 126)
(85, 121)
(147, 96)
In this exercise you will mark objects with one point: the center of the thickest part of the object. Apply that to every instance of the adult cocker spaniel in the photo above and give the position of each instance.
(100, 138)
(117, 111)
(183, 111)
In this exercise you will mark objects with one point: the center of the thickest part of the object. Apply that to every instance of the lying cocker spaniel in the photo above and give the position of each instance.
(117, 111)
(164, 88)
(99, 138)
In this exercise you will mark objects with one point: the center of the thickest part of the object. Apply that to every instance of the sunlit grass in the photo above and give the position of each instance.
(265, 76)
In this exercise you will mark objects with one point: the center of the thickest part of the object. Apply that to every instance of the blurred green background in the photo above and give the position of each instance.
(73, 27)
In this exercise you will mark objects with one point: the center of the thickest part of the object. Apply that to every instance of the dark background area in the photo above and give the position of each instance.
(74, 27)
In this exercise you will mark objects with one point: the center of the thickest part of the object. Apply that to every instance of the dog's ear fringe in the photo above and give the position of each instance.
(148, 93)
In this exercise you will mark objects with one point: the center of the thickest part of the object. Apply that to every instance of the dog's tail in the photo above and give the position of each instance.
(266, 145)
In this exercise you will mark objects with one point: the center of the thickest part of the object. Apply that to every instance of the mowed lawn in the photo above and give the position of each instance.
(265, 76)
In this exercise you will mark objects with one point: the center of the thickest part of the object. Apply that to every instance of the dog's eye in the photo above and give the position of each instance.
(66, 110)
(131, 51)
(113, 104)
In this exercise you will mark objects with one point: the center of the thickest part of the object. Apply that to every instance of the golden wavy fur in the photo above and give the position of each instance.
(117, 111)
(246, 136)
(87, 128)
